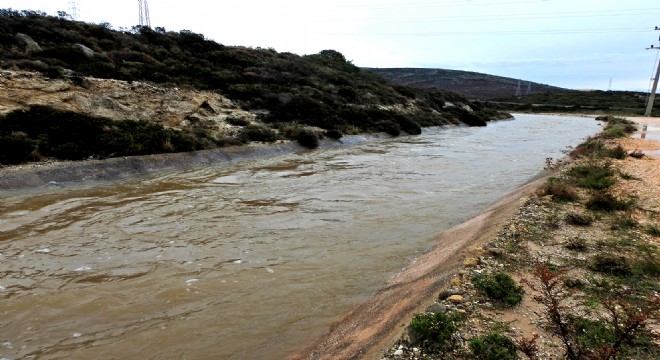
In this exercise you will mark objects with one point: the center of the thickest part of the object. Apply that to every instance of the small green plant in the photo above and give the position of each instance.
(607, 202)
(624, 223)
(577, 244)
(493, 346)
(559, 191)
(237, 121)
(616, 153)
(499, 287)
(258, 133)
(611, 264)
(435, 329)
(579, 219)
(593, 176)
(653, 230)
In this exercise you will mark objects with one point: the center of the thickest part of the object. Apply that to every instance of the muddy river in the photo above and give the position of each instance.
(248, 261)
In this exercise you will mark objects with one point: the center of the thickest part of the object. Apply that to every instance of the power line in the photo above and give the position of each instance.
(470, 18)
(512, 32)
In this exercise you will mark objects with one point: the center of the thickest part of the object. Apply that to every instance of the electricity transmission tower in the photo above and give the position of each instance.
(518, 88)
(144, 13)
(529, 88)
(649, 106)
(73, 10)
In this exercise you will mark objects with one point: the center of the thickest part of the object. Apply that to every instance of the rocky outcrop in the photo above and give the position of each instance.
(87, 51)
(30, 45)
(121, 100)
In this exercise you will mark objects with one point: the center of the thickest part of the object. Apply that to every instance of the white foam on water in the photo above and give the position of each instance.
(83, 268)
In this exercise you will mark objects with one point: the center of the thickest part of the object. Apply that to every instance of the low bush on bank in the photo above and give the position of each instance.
(435, 329)
(592, 176)
(41, 131)
(308, 138)
(499, 287)
(607, 202)
(579, 219)
(611, 264)
(493, 346)
(559, 191)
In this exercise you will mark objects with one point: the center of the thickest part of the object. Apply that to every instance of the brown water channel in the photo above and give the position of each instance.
(250, 261)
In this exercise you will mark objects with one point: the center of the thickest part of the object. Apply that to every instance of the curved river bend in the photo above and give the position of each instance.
(248, 261)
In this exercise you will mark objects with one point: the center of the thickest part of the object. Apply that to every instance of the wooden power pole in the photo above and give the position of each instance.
(649, 106)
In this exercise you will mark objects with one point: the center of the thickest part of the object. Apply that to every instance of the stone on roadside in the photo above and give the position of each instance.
(436, 308)
(470, 262)
(447, 293)
(456, 299)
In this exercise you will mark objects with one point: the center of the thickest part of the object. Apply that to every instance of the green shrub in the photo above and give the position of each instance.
(593, 176)
(16, 148)
(308, 138)
(435, 328)
(624, 223)
(559, 191)
(499, 287)
(616, 153)
(334, 134)
(615, 131)
(592, 334)
(607, 202)
(493, 346)
(578, 219)
(611, 264)
(653, 230)
(576, 244)
(258, 133)
(238, 121)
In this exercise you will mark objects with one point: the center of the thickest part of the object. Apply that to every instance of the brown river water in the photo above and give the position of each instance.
(248, 261)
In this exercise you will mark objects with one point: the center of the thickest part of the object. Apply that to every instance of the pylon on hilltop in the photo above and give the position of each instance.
(73, 10)
(144, 13)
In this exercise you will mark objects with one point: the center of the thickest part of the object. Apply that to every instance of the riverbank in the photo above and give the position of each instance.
(525, 228)
(590, 274)
(42, 176)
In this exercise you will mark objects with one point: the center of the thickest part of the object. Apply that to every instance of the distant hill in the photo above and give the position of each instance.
(472, 85)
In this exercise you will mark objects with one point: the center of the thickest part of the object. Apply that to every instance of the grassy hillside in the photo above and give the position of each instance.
(612, 102)
(469, 84)
(322, 90)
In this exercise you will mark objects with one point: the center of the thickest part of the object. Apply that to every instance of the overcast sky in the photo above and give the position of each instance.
(578, 44)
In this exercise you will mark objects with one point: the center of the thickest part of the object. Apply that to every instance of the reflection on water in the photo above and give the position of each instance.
(251, 260)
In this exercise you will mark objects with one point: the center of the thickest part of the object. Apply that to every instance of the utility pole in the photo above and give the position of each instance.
(649, 106)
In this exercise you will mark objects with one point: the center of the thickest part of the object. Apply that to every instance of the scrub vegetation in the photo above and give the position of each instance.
(584, 249)
(325, 90)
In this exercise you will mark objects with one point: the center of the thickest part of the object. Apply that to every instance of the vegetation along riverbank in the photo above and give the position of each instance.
(573, 274)
(72, 90)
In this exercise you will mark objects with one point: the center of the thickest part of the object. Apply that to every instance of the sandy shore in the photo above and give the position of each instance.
(374, 325)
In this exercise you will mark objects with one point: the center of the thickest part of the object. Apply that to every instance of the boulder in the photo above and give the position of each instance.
(30, 45)
(87, 51)
(456, 299)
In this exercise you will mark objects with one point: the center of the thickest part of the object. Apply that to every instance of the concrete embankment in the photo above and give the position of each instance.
(90, 172)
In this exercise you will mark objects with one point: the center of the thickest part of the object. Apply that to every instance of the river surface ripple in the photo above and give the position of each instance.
(250, 261)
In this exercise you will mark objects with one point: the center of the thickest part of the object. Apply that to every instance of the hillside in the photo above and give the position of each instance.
(613, 102)
(469, 84)
(192, 93)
